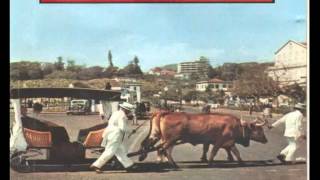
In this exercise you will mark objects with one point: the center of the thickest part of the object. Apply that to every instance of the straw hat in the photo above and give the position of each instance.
(127, 106)
(300, 106)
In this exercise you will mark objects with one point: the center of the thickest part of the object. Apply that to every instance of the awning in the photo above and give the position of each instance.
(80, 93)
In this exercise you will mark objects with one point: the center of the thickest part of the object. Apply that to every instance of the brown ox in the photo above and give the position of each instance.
(161, 156)
(221, 130)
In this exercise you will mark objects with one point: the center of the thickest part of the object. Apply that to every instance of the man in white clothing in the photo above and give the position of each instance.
(293, 132)
(113, 140)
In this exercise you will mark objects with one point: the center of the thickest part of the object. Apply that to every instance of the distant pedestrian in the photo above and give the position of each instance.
(250, 108)
(267, 111)
(206, 109)
(293, 132)
(37, 108)
(30, 103)
(108, 86)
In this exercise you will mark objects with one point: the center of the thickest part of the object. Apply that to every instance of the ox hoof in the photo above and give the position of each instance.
(175, 168)
(204, 160)
(211, 164)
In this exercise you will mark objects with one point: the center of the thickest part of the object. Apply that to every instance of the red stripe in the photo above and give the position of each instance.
(155, 1)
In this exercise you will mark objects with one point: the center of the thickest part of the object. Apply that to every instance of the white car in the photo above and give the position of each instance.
(214, 106)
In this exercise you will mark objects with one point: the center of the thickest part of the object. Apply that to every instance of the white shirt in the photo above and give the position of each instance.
(117, 121)
(293, 124)
(117, 126)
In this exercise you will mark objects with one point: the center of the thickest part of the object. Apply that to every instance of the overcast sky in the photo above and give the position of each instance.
(158, 34)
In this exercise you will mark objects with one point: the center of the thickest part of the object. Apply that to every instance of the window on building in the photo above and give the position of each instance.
(217, 86)
(224, 86)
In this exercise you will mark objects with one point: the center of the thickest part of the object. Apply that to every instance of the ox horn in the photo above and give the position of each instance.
(259, 119)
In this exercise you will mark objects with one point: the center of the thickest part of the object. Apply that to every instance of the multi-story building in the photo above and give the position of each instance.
(290, 64)
(200, 68)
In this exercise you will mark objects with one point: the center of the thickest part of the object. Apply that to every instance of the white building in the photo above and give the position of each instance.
(131, 92)
(185, 69)
(290, 64)
(214, 85)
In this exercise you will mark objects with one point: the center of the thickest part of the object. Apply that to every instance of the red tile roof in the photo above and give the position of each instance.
(215, 80)
(156, 69)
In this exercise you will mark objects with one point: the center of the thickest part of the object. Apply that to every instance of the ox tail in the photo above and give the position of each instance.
(159, 114)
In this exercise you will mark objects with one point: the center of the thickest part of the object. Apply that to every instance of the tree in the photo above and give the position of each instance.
(203, 58)
(191, 95)
(25, 70)
(47, 68)
(255, 82)
(110, 72)
(208, 89)
(71, 66)
(296, 92)
(194, 76)
(229, 71)
(132, 68)
(136, 61)
(59, 64)
(110, 59)
(213, 73)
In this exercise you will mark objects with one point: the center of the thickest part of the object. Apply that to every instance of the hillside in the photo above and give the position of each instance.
(172, 67)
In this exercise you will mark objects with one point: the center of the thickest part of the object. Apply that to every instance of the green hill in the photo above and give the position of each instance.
(172, 67)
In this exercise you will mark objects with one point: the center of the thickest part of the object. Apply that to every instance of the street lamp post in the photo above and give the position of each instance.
(180, 98)
(160, 102)
(165, 96)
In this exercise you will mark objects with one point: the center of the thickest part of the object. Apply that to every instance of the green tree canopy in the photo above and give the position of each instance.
(255, 82)
(110, 58)
(25, 70)
(59, 64)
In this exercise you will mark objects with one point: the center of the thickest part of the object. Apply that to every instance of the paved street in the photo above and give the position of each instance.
(260, 162)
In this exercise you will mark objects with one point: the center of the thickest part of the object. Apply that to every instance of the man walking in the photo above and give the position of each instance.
(113, 140)
(293, 132)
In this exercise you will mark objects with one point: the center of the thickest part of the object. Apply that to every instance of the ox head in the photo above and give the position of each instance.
(145, 146)
(149, 141)
(256, 132)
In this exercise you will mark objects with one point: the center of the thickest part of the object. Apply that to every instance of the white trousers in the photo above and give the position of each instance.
(290, 150)
(115, 147)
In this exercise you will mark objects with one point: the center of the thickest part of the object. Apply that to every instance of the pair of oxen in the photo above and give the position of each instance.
(220, 130)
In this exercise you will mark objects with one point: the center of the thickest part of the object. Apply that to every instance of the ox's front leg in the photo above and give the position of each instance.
(236, 153)
(230, 157)
(167, 149)
(214, 151)
(204, 153)
(160, 154)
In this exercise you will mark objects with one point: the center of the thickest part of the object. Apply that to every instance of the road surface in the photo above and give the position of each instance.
(260, 161)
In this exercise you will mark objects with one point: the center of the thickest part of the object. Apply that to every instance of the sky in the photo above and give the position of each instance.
(158, 34)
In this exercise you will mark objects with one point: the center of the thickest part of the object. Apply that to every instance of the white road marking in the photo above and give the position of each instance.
(295, 170)
(271, 170)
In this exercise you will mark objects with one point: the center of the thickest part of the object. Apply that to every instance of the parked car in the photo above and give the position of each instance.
(79, 106)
